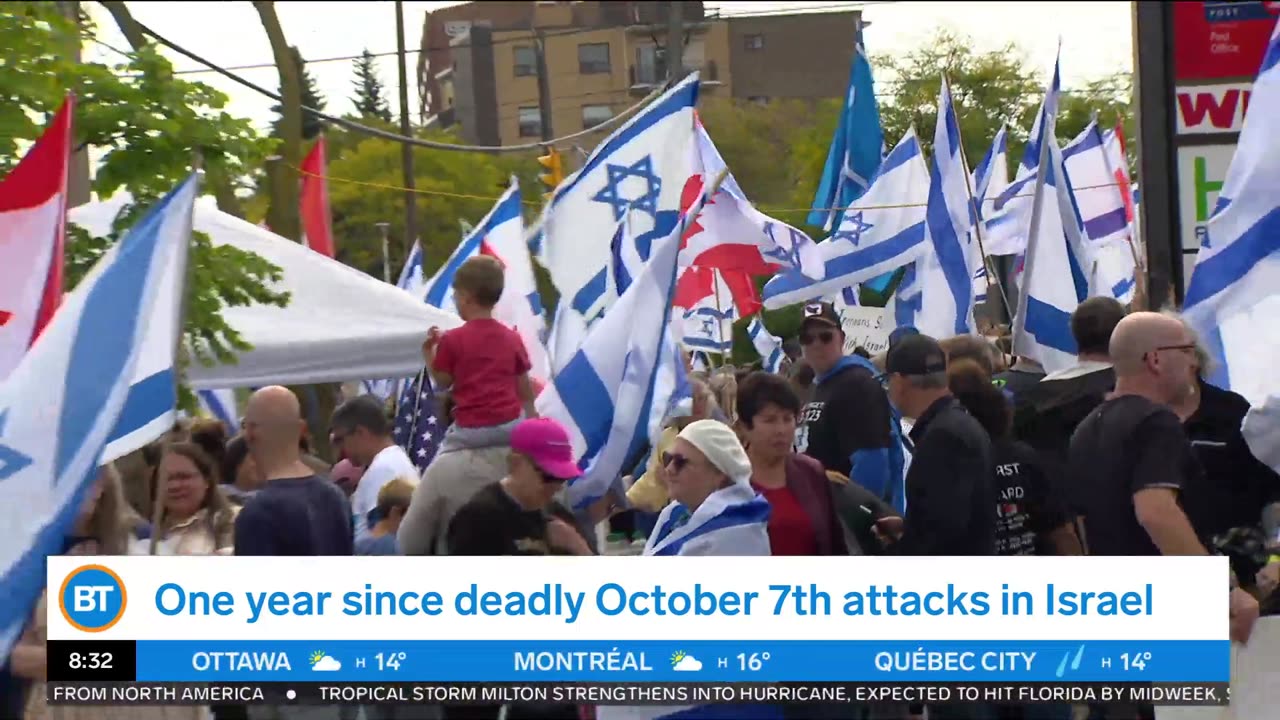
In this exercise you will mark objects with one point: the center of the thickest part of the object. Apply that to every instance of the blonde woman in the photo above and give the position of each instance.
(103, 527)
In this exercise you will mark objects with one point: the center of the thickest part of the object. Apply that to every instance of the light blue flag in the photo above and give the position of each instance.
(947, 280)
(606, 393)
(59, 406)
(888, 234)
(1054, 281)
(1234, 289)
(856, 148)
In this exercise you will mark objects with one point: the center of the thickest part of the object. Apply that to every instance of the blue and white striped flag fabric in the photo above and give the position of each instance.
(1234, 292)
(904, 307)
(221, 405)
(767, 344)
(640, 170)
(948, 293)
(856, 147)
(1054, 279)
(60, 405)
(413, 279)
(1008, 220)
(152, 407)
(991, 177)
(1101, 203)
(604, 394)
(889, 233)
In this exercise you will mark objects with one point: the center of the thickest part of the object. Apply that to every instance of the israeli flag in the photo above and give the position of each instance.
(992, 174)
(606, 392)
(1054, 280)
(60, 405)
(905, 305)
(639, 171)
(152, 406)
(869, 242)
(503, 217)
(767, 344)
(1007, 225)
(413, 278)
(856, 147)
(1234, 293)
(948, 284)
(221, 405)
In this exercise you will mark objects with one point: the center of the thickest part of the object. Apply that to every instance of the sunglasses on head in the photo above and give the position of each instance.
(825, 336)
(674, 461)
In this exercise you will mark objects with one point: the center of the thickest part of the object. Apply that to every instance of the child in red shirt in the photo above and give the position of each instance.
(484, 361)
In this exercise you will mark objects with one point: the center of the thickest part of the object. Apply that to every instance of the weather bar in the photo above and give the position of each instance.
(617, 693)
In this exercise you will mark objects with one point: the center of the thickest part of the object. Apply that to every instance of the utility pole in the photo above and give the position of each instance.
(544, 85)
(675, 41)
(406, 150)
(78, 190)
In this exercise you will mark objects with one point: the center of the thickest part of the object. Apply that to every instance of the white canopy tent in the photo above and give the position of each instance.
(340, 324)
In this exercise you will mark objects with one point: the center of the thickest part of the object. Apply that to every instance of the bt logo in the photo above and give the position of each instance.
(92, 598)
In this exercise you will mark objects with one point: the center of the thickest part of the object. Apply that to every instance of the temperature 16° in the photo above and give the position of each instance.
(390, 661)
(752, 662)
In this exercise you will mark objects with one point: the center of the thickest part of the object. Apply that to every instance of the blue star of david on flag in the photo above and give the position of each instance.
(611, 193)
(851, 229)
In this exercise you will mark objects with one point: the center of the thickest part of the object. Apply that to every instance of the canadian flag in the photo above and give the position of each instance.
(32, 225)
(730, 233)
(313, 206)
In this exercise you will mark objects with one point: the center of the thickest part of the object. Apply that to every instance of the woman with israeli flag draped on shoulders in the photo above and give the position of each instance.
(714, 510)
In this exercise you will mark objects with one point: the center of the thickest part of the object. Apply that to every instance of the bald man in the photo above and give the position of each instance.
(295, 512)
(1130, 459)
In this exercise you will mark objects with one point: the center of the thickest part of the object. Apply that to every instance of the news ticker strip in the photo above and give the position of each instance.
(314, 693)
(1177, 661)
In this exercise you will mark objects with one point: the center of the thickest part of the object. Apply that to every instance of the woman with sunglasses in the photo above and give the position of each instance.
(713, 511)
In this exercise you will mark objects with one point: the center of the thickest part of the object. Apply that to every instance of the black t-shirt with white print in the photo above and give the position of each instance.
(1027, 508)
(1127, 444)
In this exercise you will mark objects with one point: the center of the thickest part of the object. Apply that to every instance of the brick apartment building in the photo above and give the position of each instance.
(478, 68)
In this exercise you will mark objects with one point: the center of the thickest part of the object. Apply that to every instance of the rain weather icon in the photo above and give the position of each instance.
(324, 663)
(683, 662)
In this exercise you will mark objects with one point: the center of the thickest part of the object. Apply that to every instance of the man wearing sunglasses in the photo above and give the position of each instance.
(847, 424)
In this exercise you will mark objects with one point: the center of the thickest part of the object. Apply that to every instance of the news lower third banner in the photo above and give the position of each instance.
(156, 630)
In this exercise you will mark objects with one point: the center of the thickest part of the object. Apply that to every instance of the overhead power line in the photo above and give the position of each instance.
(358, 127)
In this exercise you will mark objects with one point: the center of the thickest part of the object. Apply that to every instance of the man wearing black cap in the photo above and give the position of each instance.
(951, 494)
(847, 424)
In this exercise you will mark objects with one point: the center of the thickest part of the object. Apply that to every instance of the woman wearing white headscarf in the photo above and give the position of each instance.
(709, 478)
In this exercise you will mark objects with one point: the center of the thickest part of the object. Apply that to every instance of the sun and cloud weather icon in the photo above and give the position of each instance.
(684, 662)
(320, 662)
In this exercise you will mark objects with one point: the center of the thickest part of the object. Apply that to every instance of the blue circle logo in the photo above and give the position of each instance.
(92, 598)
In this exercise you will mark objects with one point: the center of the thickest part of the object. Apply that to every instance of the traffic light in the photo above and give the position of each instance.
(555, 169)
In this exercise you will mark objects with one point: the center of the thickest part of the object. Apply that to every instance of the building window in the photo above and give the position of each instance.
(651, 65)
(526, 61)
(593, 115)
(593, 58)
(530, 120)
(755, 42)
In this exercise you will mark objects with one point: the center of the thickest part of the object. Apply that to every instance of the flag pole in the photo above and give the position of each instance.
(1037, 207)
(157, 501)
(992, 271)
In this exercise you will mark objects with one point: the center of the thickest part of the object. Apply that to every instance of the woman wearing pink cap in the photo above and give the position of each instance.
(518, 515)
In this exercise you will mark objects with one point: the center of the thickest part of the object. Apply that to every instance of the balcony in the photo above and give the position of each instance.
(644, 77)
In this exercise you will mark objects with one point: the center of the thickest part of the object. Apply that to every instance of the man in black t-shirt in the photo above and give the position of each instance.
(517, 515)
(845, 424)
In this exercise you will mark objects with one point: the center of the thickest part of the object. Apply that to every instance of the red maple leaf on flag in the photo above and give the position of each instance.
(5, 316)
(688, 196)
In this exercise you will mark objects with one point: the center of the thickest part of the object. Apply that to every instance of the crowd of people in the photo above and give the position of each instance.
(938, 447)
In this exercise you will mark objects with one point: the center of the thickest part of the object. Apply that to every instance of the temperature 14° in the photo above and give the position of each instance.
(752, 662)
(389, 661)
(1135, 661)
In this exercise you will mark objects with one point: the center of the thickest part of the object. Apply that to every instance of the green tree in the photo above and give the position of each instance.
(364, 190)
(989, 89)
(312, 125)
(146, 125)
(369, 99)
